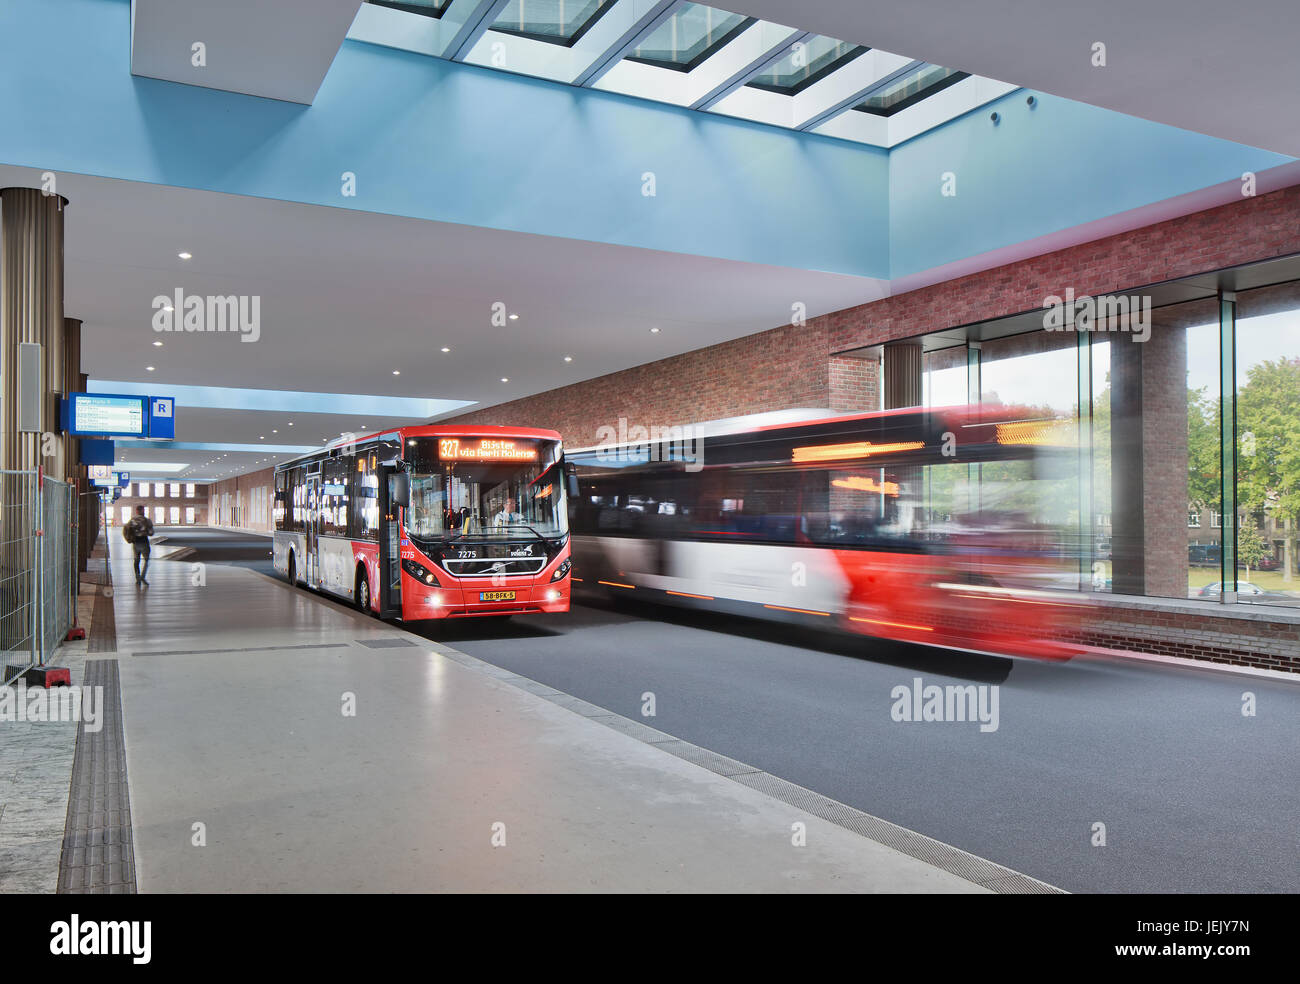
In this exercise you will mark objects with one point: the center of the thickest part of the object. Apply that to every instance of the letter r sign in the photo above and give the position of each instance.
(162, 418)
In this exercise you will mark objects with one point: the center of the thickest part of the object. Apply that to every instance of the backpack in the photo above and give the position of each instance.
(128, 531)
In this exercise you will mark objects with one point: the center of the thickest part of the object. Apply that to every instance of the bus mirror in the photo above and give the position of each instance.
(573, 485)
(400, 490)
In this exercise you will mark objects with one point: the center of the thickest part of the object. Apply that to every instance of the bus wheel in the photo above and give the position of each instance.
(363, 592)
(293, 571)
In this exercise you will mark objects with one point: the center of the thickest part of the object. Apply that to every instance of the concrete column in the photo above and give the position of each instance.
(31, 310)
(902, 375)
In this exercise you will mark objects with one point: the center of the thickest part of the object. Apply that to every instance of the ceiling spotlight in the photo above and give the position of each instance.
(186, 256)
(505, 379)
(157, 344)
(568, 358)
(445, 349)
(654, 331)
(397, 372)
(514, 317)
(167, 307)
(261, 437)
(291, 423)
(148, 368)
(274, 430)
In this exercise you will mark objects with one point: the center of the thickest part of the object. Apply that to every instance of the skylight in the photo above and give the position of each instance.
(807, 62)
(693, 56)
(689, 36)
(556, 21)
(908, 91)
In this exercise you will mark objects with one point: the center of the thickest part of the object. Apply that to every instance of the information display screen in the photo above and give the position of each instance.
(93, 413)
(486, 449)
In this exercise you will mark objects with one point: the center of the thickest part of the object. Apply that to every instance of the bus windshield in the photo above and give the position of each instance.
(485, 487)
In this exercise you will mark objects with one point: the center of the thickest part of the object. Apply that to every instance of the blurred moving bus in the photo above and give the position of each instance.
(944, 527)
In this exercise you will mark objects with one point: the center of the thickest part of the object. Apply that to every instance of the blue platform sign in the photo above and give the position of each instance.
(104, 415)
(162, 417)
(97, 452)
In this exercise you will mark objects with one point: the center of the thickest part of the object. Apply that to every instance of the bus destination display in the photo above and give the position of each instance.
(485, 449)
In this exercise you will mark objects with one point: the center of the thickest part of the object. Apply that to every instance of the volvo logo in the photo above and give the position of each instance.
(526, 551)
(498, 567)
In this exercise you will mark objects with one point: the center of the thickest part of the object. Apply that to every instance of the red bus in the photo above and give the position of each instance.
(948, 527)
(429, 522)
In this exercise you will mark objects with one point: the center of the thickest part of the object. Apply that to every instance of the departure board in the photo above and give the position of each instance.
(94, 413)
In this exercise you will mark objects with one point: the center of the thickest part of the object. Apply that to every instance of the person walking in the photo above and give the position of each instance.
(137, 533)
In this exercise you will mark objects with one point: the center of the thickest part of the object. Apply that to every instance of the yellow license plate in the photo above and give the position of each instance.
(496, 596)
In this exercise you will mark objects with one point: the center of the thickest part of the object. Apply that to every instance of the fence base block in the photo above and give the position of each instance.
(48, 676)
(75, 633)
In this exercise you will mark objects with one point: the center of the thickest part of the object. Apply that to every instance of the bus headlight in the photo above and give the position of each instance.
(552, 595)
(420, 573)
(562, 569)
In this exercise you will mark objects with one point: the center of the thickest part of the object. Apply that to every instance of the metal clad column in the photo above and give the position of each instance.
(902, 375)
(31, 310)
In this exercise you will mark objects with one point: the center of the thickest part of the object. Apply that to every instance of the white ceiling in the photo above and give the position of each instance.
(280, 49)
(347, 297)
(1229, 70)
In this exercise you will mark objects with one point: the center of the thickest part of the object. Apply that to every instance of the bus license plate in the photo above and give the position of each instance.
(496, 596)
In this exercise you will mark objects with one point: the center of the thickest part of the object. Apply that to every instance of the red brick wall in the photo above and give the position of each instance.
(773, 370)
(1252, 229)
(199, 503)
(238, 509)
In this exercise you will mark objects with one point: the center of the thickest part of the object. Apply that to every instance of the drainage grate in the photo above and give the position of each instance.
(385, 643)
(98, 855)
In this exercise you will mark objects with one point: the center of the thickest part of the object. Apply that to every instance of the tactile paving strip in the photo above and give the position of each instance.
(384, 643)
(103, 624)
(98, 854)
(988, 874)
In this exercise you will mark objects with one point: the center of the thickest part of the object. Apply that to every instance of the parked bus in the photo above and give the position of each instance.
(945, 527)
(429, 522)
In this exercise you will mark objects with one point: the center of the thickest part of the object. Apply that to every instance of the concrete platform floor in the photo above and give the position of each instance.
(247, 775)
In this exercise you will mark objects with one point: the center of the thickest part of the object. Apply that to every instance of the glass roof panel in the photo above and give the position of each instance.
(909, 90)
(806, 63)
(689, 36)
(429, 8)
(557, 21)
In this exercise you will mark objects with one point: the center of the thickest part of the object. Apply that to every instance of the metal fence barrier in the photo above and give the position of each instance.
(37, 585)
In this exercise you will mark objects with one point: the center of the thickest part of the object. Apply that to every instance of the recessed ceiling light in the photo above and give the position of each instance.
(654, 331)
(157, 344)
(291, 423)
(148, 368)
(397, 372)
(261, 437)
(514, 317)
(445, 349)
(568, 358)
(186, 256)
(274, 431)
(167, 307)
(505, 379)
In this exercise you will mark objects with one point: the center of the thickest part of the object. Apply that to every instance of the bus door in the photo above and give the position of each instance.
(313, 517)
(393, 494)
